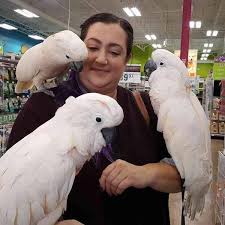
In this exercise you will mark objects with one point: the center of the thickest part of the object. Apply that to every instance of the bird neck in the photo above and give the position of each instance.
(78, 158)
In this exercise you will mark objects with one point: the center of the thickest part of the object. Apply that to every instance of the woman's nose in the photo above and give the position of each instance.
(102, 58)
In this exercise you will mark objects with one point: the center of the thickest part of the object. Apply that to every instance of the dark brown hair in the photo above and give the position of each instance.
(109, 18)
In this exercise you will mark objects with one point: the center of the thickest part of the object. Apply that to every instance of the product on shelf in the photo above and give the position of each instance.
(214, 127)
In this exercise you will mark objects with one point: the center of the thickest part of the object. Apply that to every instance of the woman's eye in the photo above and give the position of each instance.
(115, 53)
(93, 48)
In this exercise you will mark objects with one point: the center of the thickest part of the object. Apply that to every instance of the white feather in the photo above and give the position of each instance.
(37, 173)
(184, 125)
(50, 58)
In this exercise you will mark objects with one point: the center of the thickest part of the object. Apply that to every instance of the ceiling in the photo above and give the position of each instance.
(161, 17)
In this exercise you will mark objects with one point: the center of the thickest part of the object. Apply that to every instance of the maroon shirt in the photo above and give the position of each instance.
(137, 143)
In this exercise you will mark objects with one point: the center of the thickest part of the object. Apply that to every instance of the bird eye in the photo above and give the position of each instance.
(98, 119)
(161, 63)
(67, 57)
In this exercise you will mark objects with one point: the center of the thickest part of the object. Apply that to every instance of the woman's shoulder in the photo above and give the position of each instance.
(40, 105)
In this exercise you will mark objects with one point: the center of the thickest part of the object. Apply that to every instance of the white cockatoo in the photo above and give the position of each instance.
(184, 125)
(37, 173)
(49, 59)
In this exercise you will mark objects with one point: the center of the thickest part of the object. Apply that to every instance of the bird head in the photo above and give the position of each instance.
(66, 47)
(165, 60)
(92, 118)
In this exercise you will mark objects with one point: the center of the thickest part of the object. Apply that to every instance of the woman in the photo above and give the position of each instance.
(118, 192)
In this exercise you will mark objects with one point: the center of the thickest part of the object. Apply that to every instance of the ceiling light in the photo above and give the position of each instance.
(128, 11)
(147, 36)
(26, 13)
(205, 58)
(198, 24)
(36, 37)
(159, 46)
(206, 45)
(208, 50)
(204, 50)
(153, 37)
(203, 55)
(211, 45)
(208, 33)
(7, 26)
(192, 24)
(136, 11)
(215, 32)
(154, 45)
(206, 55)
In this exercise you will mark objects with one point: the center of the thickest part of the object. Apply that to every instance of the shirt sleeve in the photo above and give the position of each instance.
(37, 110)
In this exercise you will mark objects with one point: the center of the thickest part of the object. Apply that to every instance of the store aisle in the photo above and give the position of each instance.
(175, 199)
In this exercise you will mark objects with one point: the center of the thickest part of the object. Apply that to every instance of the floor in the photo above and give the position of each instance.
(207, 217)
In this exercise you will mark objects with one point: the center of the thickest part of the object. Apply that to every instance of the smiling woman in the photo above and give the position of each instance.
(113, 193)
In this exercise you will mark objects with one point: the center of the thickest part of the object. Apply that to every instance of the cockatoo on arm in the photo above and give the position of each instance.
(184, 125)
(37, 173)
(49, 59)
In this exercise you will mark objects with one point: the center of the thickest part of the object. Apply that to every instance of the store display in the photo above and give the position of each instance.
(10, 102)
(220, 190)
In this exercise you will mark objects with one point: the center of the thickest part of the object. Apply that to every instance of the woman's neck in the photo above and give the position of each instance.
(111, 93)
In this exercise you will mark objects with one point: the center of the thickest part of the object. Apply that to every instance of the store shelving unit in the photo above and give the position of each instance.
(220, 193)
(10, 102)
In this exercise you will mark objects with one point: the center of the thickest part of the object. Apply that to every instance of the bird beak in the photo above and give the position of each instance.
(77, 66)
(152, 66)
(109, 134)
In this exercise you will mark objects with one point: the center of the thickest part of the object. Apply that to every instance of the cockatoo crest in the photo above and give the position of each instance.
(90, 108)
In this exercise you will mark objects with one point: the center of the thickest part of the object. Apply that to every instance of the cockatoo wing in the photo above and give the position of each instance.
(30, 184)
(28, 67)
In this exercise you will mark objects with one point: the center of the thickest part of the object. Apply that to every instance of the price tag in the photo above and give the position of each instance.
(131, 77)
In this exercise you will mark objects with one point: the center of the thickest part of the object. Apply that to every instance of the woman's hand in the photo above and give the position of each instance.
(69, 222)
(120, 175)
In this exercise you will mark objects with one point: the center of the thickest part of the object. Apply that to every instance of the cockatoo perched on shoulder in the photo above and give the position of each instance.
(49, 59)
(184, 125)
(37, 173)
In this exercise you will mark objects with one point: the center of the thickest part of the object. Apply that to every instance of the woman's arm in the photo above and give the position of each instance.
(120, 175)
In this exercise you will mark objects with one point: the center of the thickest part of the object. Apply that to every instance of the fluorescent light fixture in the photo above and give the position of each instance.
(208, 50)
(206, 55)
(205, 58)
(36, 37)
(7, 26)
(147, 36)
(208, 33)
(26, 13)
(201, 59)
(206, 45)
(198, 24)
(153, 37)
(215, 32)
(159, 46)
(154, 45)
(136, 11)
(204, 50)
(210, 45)
(203, 55)
(128, 11)
(192, 24)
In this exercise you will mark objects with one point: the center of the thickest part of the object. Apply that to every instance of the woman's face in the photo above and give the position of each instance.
(107, 57)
